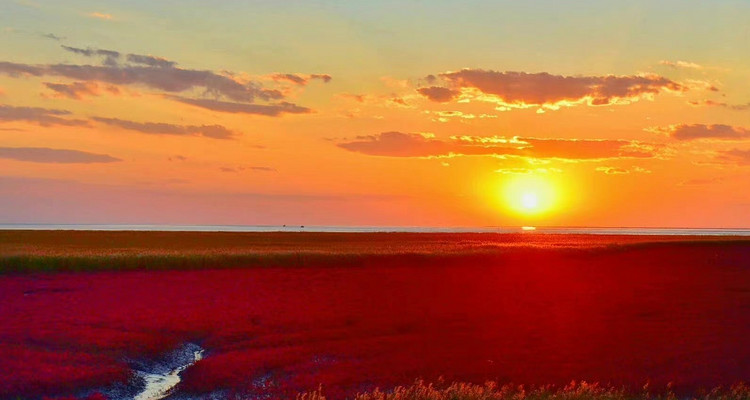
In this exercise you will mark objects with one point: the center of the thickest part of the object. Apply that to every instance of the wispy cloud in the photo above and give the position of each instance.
(621, 171)
(686, 132)
(51, 36)
(681, 64)
(398, 144)
(712, 103)
(247, 168)
(151, 61)
(173, 80)
(689, 65)
(161, 128)
(218, 91)
(527, 171)
(40, 116)
(80, 90)
(100, 15)
(734, 156)
(270, 110)
(56, 156)
(90, 52)
(301, 79)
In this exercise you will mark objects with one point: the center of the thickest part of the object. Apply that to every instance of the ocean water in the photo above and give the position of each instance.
(370, 229)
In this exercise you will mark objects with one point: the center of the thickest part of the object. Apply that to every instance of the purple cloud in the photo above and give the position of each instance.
(161, 128)
(521, 88)
(40, 116)
(57, 156)
(271, 110)
(686, 132)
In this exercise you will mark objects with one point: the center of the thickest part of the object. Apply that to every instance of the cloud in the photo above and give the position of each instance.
(51, 36)
(587, 148)
(37, 115)
(57, 156)
(79, 90)
(689, 65)
(700, 85)
(712, 103)
(219, 91)
(172, 80)
(521, 89)
(612, 170)
(359, 98)
(112, 57)
(160, 128)
(90, 52)
(301, 79)
(390, 100)
(397, 144)
(681, 64)
(15, 70)
(151, 61)
(438, 94)
(100, 15)
(251, 168)
(263, 169)
(446, 116)
(270, 110)
(526, 171)
(686, 132)
(621, 171)
(734, 156)
(702, 181)
(399, 102)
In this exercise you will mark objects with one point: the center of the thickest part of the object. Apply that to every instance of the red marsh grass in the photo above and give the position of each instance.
(280, 314)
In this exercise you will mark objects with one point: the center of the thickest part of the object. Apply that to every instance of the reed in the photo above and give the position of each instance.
(574, 391)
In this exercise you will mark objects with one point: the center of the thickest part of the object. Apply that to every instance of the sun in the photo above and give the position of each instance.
(530, 195)
(530, 201)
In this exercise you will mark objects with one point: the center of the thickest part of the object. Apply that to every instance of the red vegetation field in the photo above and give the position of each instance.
(532, 309)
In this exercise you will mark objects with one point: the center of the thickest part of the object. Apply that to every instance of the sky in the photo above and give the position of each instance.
(376, 113)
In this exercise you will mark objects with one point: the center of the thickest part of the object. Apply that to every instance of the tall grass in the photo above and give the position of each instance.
(21, 264)
(70, 251)
(574, 391)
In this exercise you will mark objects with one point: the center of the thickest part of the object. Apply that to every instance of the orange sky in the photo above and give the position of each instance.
(376, 113)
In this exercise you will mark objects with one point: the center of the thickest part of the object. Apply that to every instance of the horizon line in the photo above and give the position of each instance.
(376, 228)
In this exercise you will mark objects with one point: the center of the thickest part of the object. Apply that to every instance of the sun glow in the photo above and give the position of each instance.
(530, 195)
(529, 201)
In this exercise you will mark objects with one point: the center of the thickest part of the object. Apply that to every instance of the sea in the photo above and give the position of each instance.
(372, 229)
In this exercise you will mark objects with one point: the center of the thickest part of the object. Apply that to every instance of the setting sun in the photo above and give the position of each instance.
(530, 195)
(530, 201)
